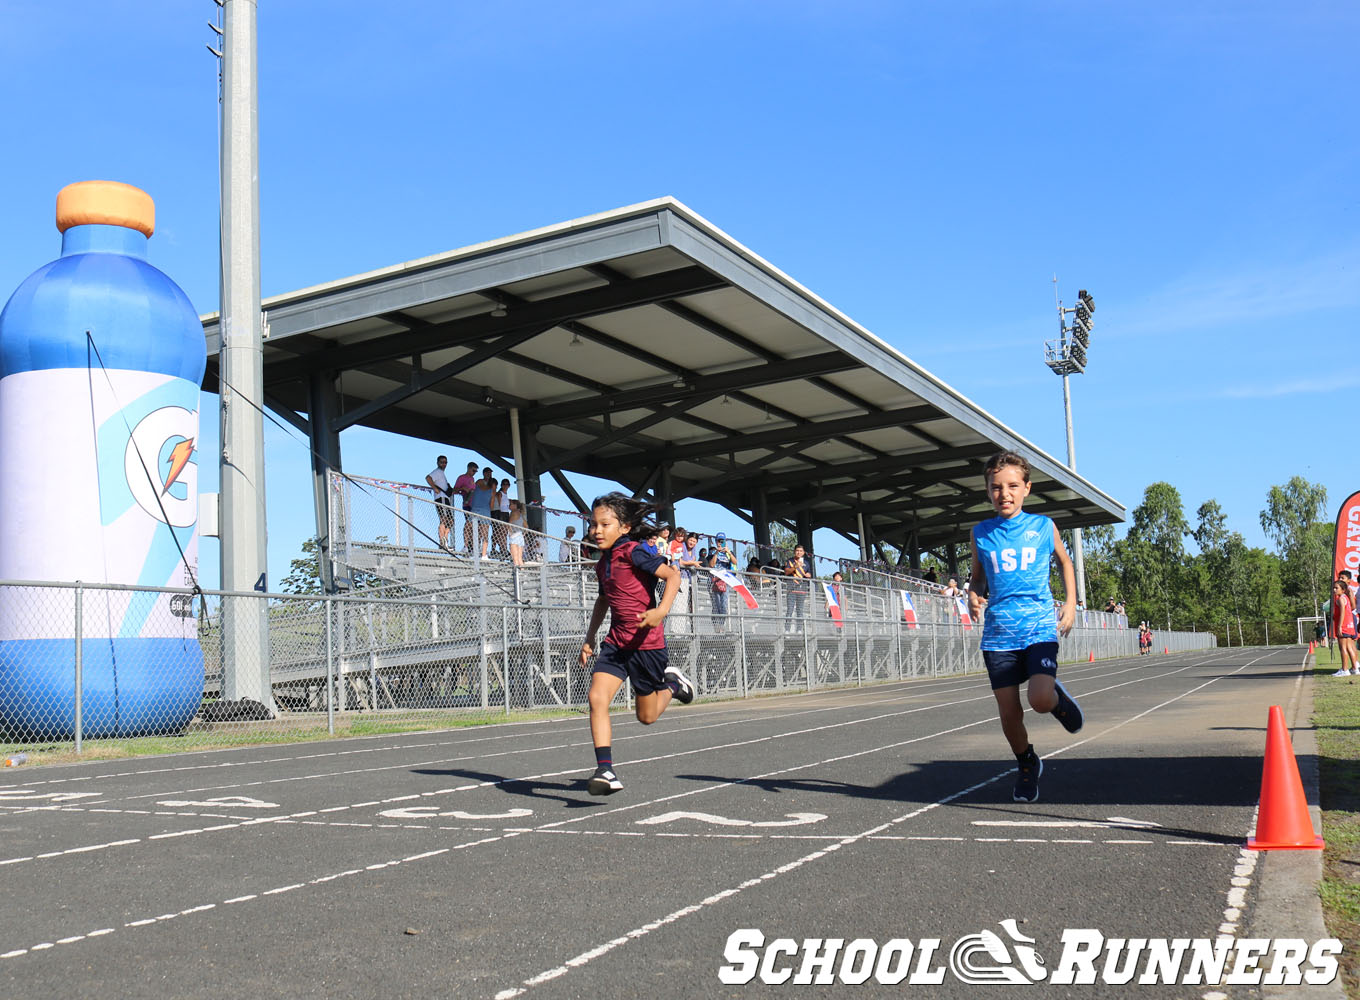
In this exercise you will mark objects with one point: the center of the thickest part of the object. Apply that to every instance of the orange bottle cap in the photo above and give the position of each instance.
(108, 203)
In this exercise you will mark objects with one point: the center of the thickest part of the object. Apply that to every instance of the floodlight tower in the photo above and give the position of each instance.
(1066, 355)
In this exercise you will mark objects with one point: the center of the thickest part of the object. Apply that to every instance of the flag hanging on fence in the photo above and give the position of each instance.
(734, 582)
(833, 604)
(909, 611)
(964, 616)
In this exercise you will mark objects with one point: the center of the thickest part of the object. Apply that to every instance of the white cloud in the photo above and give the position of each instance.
(1199, 302)
(1292, 387)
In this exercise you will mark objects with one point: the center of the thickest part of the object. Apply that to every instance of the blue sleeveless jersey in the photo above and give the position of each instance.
(1015, 554)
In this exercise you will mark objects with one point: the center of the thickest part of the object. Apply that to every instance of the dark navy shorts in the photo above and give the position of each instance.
(1012, 667)
(645, 669)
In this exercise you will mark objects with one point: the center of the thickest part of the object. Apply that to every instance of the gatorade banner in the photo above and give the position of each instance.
(1348, 538)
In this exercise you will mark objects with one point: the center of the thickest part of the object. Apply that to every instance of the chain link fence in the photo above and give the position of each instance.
(74, 670)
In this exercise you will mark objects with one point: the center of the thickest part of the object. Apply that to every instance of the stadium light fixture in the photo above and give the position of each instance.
(1067, 355)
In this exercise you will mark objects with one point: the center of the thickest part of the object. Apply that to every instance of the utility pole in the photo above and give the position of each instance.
(245, 621)
(1066, 356)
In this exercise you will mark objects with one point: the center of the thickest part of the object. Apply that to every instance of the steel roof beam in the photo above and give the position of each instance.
(540, 314)
(727, 382)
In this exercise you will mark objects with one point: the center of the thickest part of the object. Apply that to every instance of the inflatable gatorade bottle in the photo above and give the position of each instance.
(101, 358)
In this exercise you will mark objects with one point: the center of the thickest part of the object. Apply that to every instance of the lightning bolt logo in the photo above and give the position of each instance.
(179, 458)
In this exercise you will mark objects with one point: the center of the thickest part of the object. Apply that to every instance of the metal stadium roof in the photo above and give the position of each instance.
(647, 347)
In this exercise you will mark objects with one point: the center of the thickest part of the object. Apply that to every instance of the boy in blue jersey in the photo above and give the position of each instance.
(1011, 554)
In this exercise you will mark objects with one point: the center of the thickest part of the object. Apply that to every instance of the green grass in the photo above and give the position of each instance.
(1336, 714)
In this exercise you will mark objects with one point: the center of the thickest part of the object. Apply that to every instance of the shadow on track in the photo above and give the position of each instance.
(531, 788)
(1115, 784)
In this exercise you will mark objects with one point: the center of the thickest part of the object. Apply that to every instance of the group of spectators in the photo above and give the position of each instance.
(490, 514)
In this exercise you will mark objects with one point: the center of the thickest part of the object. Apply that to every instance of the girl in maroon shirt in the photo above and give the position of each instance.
(635, 647)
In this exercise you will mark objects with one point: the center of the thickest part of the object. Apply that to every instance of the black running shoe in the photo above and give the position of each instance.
(686, 693)
(604, 782)
(1028, 769)
(1067, 711)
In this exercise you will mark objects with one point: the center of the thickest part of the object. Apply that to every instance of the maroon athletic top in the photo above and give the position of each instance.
(627, 575)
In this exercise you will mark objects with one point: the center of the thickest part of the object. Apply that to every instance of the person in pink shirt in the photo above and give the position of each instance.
(463, 487)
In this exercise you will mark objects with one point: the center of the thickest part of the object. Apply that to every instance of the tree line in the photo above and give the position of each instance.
(1162, 581)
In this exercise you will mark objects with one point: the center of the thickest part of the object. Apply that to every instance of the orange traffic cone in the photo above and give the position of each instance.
(1092, 657)
(1312, 647)
(1282, 822)
(1166, 650)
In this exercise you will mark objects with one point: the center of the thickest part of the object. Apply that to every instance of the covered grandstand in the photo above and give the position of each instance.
(570, 349)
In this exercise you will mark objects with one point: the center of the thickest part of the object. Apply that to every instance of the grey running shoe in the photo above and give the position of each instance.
(1028, 769)
(1067, 711)
(686, 693)
(604, 782)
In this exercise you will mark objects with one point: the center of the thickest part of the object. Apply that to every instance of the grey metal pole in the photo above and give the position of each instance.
(245, 623)
(517, 452)
(80, 667)
(328, 604)
(1078, 560)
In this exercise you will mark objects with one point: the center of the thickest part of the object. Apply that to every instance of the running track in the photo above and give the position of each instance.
(876, 812)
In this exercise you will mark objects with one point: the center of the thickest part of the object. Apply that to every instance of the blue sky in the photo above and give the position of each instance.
(925, 167)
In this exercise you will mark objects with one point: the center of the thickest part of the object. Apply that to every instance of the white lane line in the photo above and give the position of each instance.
(170, 835)
(911, 689)
(203, 908)
(609, 946)
(73, 850)
(910, 685)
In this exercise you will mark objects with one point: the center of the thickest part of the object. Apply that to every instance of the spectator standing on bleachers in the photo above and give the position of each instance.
(722, 557)
(479, 504)
(796, 569)
(931, 576)
(685, 557)
(443, 499)
(463, 487)
(500, 513)
(569, 551)
(838, 588)
(515, 528)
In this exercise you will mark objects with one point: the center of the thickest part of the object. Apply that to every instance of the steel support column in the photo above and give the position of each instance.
(760, 513)
(804, 524)
(322, 405)
(664, 493)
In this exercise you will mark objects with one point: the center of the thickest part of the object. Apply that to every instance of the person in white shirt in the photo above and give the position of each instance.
(569, 550)
(443, 499)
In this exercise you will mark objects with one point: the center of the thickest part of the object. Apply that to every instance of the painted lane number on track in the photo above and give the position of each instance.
(27, 795)
(224, 802)
(432, 812)
(794, 819)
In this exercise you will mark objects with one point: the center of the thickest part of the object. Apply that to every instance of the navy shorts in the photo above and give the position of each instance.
(1012, 667)
(645, 669)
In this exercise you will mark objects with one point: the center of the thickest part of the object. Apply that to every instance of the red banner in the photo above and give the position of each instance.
(1348, 537)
